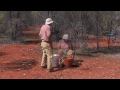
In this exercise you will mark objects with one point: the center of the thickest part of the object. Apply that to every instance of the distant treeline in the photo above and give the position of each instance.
(75, 23)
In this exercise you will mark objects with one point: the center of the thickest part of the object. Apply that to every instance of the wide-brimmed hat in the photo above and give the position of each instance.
(48, 21)
(65, 36)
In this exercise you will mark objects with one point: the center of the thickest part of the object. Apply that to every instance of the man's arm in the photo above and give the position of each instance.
(48, 33)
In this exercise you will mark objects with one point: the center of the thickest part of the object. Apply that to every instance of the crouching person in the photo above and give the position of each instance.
(65, 47)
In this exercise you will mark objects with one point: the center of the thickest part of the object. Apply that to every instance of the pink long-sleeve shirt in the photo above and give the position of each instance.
(64, 45)
(45, 32)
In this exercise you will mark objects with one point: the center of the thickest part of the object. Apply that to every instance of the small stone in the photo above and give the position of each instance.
(24, 74)
(61, 78)
(18, 69)
(23, 64)
(59, 74)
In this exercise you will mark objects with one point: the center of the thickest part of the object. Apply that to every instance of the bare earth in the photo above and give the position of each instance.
(22, 61)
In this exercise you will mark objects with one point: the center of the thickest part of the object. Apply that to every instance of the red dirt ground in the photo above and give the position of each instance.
(22, 61)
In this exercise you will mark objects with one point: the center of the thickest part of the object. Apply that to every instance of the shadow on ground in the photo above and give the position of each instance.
(75, 64)
(105, 50)
(2, 53)
(87, 54)
(18, 65)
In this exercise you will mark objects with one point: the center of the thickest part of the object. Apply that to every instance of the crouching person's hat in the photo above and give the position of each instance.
(65, 36)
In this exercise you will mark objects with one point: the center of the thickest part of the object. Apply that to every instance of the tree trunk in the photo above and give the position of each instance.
(110, 28)
(97, 32)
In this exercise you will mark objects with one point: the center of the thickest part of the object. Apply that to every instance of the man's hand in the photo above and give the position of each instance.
(51, 45)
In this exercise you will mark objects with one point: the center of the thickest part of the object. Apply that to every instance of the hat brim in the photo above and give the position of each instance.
(65, 38)
(48, 22)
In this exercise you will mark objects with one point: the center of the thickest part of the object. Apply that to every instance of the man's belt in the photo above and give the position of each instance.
(46, 41)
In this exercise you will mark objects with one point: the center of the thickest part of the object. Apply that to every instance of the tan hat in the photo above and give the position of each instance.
(70, 52)
(65, 36)
(48, 21)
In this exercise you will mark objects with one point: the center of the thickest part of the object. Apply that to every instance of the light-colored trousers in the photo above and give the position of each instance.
(63, 53)
(47, 55)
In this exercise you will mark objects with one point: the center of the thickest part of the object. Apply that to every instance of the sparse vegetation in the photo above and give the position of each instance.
(96, 55)
(78, 24)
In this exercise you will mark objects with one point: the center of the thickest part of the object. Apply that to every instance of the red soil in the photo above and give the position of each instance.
(20, 61)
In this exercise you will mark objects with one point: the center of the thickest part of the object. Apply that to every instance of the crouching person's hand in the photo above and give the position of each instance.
(70, 52)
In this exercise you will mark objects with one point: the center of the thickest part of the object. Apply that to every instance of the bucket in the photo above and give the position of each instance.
(55, 60)
(68, 61)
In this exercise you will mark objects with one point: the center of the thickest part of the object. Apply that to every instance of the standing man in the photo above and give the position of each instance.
(46, 44)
